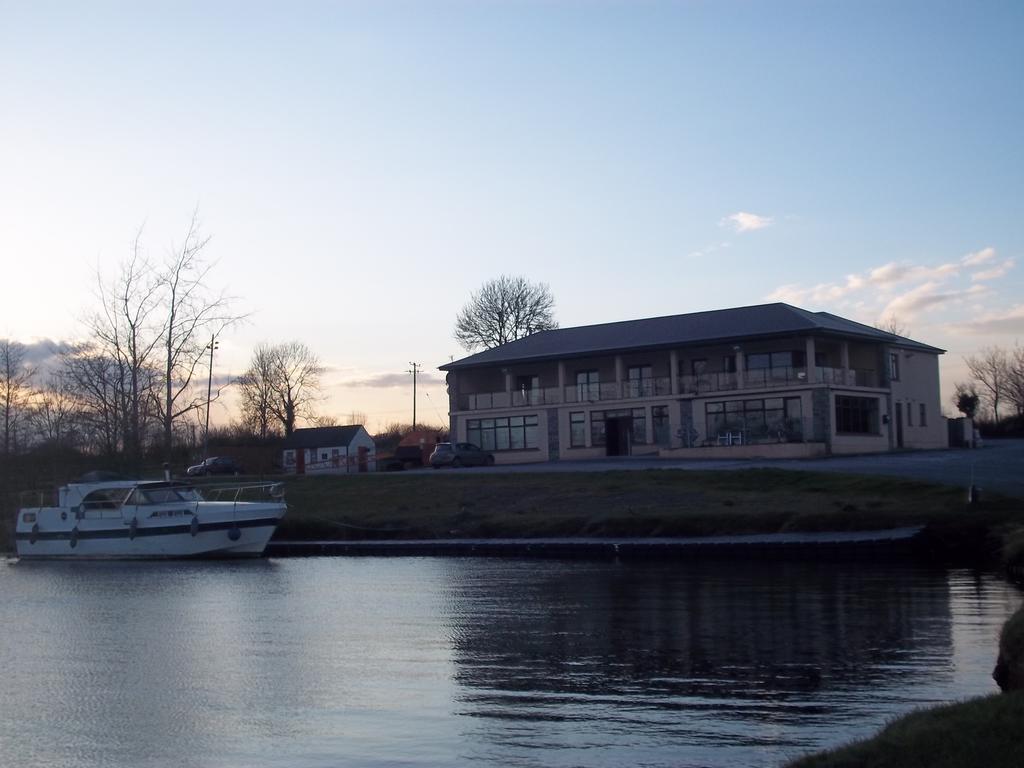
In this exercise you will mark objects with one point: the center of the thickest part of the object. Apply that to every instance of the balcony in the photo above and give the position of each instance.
(638, 389)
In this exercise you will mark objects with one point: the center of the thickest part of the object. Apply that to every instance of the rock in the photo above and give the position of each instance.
(1009, 671)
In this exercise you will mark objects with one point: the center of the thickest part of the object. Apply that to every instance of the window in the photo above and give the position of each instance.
(577, 430)
(512, 433)
(527, 389)
(779, 362)
(639, 425)
(639, 381)
(660, 424)
(729, 364)
(597, 428)
(910, 415)
(768, 419)
(857, 415)
(698, 366)
(921, 413)
(894, 366)
(588, 385)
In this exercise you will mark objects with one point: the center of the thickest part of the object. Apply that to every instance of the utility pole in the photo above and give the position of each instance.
(415, 372)
(209, 394)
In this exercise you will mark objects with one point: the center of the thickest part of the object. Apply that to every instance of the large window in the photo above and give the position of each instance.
(511, 433)
(923, 419)
(527, 389)
(763, 419)
(894, 366)
(588, 386)
(857, 415)
(660, 424)
(577, 430)
(640, 384)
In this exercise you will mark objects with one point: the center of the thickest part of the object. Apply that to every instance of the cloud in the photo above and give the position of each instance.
(386, 380)
(1008, 322)
(742, 221)
(995, 272)
(978, 258)
(908, 305)
(882, 278)
(707, 250)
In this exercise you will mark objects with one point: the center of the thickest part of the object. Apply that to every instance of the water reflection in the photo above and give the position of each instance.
(718, 659)
(437, 662)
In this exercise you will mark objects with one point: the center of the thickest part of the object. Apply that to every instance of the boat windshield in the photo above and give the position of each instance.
(164, 495)
(105, 498)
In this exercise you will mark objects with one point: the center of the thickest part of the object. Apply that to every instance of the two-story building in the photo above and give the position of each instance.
(768, 380)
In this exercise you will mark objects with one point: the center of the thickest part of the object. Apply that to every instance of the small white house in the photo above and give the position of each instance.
(330, 450)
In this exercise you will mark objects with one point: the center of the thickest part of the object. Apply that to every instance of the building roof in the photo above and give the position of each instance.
(720, 325)
(323, 437)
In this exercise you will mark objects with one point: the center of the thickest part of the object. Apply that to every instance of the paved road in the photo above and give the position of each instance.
(998, 466)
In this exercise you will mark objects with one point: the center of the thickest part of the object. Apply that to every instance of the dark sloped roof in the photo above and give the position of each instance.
(720, 325)
(322, 437)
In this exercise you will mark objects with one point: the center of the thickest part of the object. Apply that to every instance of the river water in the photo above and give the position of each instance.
(477, 662)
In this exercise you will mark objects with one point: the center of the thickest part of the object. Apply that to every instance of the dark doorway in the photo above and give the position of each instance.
(618, 433)
(899, 425)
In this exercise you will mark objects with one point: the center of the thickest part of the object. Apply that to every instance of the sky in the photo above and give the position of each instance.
(362, 168)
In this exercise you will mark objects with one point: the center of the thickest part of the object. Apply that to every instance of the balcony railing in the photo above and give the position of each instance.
(635, 389)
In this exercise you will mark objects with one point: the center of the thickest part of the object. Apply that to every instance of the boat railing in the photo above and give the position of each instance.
(242, 492)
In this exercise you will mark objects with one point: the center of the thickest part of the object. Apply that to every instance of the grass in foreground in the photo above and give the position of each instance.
(629, 503)
(980, 733)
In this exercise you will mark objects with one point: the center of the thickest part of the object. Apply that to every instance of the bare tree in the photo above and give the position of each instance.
(1015, 378)
(356, 417)
(892, 324)
(190, 315)
(97, 383)
(15, 389)
(55, 411)
(281, 383)
(991, 369)
(503, 310)
(257, 392)
(154, 324)
(125, 331)
(966, 399)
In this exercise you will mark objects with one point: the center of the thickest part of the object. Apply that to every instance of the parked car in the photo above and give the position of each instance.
(460, 455)
(216, 465)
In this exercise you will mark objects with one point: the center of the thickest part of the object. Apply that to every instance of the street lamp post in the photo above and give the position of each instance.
(209, 395)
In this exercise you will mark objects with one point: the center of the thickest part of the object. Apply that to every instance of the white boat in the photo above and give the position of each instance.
(151, 519)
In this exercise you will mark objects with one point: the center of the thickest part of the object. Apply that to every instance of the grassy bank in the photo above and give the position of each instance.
(639, 503)
(979, 733)
(634, 503)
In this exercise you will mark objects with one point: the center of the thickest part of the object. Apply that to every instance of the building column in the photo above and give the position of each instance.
(561, 382)
(673, 371)
(452, 380)
(741, 367)
(844, 361)
(618, 376)
(812, 367)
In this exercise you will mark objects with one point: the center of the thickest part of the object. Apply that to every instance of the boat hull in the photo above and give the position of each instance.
(210, 535)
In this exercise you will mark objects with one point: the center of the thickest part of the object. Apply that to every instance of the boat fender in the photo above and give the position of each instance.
(194, 527)
(234, 533)
(74, 537)
(34, 536)
(133, 528)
